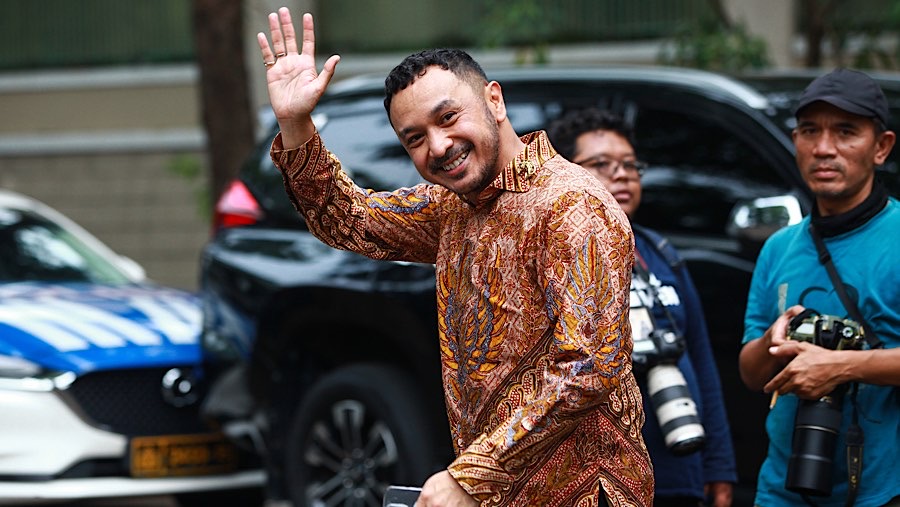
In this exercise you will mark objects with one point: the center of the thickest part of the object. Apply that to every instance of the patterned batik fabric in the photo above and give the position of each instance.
(532, 296)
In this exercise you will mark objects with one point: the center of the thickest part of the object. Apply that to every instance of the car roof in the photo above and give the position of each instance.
(697, 81)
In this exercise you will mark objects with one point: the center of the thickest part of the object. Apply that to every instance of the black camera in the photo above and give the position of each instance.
(655, 354)
(818, 422)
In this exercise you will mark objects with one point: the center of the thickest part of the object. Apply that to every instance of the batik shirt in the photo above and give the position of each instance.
(532, 296)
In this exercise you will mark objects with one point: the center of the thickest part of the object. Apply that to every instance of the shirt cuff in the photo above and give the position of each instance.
(479, 474)
(286, 159)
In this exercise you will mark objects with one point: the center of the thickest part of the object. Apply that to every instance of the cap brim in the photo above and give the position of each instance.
(840, 103)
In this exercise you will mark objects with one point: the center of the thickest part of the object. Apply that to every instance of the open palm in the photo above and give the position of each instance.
(294, 84)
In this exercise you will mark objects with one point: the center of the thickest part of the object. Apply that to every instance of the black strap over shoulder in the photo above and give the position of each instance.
(849, 304)
(854, 432)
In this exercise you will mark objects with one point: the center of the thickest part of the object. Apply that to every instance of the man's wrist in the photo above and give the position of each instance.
(296, 133)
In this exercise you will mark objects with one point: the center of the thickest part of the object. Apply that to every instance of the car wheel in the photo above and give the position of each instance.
(359, 429)
(249, 497)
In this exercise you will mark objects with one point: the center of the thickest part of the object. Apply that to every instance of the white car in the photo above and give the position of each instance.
(100, 376)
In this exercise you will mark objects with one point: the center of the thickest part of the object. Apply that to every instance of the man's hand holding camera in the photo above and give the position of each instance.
(811, 372)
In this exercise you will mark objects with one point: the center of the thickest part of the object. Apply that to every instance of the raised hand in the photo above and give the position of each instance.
(294, 84)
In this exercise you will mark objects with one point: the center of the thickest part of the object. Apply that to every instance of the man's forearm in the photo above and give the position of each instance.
(757, 365)
(878, 366)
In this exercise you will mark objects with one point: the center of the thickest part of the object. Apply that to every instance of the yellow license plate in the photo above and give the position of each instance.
(179, 455)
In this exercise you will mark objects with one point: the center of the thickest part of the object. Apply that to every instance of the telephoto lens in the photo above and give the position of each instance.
(677, 413)
(813, 448)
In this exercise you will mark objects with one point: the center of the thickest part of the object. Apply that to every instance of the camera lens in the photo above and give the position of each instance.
(675, 409)
(813, 448)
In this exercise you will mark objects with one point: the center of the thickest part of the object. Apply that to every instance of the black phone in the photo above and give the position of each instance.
(401, 496)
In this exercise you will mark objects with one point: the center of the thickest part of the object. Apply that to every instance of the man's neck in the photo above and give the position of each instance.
(834, 220)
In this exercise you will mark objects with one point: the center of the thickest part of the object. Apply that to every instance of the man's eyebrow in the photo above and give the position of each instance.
(434, 110)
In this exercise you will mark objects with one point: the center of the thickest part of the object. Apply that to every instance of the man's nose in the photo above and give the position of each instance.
(438, 143)
(824, 144)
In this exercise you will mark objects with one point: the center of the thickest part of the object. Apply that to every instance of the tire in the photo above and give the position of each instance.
(248, 497)
(358, 430)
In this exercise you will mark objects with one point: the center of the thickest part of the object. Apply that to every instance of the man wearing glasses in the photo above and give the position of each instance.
(686, 430)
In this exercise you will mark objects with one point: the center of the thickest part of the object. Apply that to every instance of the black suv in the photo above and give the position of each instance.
(327, 362)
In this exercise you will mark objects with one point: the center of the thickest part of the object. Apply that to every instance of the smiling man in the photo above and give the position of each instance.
(827, 397)
(533, 259)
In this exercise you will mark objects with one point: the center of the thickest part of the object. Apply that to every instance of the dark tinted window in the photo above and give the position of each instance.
(359, 133)
(705, 156)
(34, 249)
(698, 170)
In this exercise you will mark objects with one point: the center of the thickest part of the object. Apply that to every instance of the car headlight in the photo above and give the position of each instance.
(18, 373)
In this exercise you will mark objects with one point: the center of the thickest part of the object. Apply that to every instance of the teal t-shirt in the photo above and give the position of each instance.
(788, 273)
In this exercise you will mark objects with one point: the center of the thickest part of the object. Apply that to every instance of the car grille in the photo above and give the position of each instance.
(130, 402)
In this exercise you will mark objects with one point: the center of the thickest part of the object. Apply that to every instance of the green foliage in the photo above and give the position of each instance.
(189, 168)
(708, 44)
(523, 24)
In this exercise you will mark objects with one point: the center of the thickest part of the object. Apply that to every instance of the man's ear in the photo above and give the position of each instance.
(493, 94)
(884, 145)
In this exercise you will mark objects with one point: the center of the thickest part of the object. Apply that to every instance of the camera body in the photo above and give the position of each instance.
(818, 422)
(827, 331)
(655, 354)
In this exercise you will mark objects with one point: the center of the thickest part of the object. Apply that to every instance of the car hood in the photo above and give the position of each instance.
(86, 327)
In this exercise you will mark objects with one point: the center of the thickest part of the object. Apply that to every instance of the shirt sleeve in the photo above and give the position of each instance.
(585, 273)
(398, 225)
(760, 313)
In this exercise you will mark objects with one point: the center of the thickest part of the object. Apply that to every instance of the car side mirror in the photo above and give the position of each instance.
(752, 222)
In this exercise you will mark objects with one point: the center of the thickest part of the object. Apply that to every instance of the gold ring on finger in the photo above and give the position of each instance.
(268, 64)
(279, 55)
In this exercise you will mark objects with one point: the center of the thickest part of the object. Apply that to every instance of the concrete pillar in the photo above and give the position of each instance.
(773, 20)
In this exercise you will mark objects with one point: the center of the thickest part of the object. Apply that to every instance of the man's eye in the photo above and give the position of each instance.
(448, 116)
(601, 165)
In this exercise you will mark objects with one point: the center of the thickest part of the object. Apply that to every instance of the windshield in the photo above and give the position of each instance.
(32, 248)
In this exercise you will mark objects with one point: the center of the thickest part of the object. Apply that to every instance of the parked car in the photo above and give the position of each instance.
(338, 353)
(100, 375)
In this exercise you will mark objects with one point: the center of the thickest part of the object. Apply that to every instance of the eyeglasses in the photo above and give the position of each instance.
(607, 167)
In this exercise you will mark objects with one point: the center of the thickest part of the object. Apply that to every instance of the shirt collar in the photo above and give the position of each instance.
(517, 175)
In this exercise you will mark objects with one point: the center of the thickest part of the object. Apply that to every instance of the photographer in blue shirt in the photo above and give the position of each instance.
(686, 430)
(825, 396)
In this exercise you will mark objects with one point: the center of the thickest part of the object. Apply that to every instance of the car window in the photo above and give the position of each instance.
(360, 134)
(705, 155)
(33, 248)
(698, 170)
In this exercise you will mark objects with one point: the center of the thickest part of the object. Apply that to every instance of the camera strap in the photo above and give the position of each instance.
(849, 304)
(854, 437)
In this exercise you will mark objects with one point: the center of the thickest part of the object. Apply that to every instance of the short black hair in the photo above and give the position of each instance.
(564, 131)
(413, 66)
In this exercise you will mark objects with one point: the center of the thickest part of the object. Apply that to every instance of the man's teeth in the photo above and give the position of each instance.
(453, 165)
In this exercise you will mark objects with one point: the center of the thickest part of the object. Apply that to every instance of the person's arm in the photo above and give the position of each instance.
(585, 274)
(815, 371)
(757, 364)
(399, 225)
(294, 84)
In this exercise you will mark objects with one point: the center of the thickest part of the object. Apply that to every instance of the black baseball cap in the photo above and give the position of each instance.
(850, 90)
